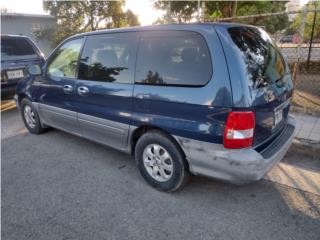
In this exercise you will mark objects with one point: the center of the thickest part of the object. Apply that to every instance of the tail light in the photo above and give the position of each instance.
(239, 129)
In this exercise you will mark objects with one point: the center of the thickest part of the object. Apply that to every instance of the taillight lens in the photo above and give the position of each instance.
(239, 130)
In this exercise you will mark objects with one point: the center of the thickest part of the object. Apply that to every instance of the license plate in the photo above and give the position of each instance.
(278, 115)
(15, 74)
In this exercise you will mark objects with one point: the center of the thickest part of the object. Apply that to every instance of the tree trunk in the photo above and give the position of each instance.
(234, 8)
(92, 19)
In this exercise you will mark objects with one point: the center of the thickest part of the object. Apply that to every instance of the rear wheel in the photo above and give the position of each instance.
(30, 117)
(161, 162)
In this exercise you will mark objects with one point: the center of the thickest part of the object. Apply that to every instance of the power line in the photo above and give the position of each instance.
(264, 15)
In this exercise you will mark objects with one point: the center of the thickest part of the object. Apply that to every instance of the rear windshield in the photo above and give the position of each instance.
(264, 63)
(16, 48)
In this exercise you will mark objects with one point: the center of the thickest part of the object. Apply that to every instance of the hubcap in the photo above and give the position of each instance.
(158, 162)
(29, 116)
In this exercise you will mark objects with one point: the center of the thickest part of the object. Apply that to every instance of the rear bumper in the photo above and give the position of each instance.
(238, 166)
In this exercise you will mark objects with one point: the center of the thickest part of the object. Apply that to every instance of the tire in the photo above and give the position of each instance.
(30, 117)
(161, 162)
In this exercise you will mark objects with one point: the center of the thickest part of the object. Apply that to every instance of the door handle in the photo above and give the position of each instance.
(68, 89)
(83, 90)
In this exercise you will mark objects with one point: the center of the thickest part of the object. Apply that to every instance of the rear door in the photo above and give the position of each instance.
(57, 91)
(260, 79)
(176, 87)
(104, 87)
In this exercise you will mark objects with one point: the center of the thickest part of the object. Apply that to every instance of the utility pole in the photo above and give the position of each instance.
(199, 11)
(169, 12)
(234, 8)
(203, 11)
(301, 33)
(311, 39)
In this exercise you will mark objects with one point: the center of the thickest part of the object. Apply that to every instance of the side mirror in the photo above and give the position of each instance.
(34, 70)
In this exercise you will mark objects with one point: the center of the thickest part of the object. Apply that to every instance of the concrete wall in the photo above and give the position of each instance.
(26, 24)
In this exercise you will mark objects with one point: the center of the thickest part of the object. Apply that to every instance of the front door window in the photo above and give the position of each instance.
(64, 63)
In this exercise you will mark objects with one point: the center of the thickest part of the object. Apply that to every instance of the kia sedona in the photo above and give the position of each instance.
(16, 53)
(207, 99)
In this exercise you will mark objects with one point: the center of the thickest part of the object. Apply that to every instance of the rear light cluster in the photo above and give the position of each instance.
(239, 129)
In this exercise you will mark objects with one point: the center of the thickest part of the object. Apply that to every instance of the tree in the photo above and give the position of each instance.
(295, 25)
(184, 11)
(271, 23)
(131, 18)
(74, 17)
(180, 11)
(220, 9)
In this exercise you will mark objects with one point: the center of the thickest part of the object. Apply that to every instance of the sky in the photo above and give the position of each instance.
(143, 8)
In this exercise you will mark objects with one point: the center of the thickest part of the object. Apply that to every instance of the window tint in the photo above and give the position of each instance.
(64, 62)
(108, 58)
(173, 58)
(13, 48)
(264, 63)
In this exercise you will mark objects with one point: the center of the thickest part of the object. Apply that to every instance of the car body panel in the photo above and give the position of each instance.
(237, 166)
(56, 107)
(109, 106)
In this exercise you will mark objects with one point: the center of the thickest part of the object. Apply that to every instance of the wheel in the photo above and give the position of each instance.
(161, 162)
(30, 117)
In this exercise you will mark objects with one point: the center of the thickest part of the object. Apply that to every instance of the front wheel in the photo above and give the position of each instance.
(161, 162)
(30, 117)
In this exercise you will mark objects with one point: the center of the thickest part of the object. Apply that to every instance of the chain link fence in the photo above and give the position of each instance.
(299, 41)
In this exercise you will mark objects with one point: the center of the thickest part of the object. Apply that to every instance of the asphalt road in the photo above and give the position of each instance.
(58, 186)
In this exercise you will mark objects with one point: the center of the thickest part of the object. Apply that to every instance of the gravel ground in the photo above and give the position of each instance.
(58, 186)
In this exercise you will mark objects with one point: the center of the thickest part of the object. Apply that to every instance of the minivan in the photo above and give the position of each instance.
(208, 99)
(16, 53)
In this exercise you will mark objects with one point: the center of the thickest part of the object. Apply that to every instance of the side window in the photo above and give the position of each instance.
(173, 58)
(64, 62)
(108, 58)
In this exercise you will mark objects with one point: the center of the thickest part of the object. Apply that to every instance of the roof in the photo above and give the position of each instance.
(180, 26)
(26, 15)
(13, 36)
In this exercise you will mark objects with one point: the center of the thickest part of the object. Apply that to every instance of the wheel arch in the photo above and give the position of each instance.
(138, 132)
(22, 96)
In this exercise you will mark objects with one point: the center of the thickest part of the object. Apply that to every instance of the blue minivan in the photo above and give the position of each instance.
(207, 99)
(16, 53)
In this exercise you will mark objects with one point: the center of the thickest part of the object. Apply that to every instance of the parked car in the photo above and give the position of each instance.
(287, 39)
(16, 53)
(205, 99)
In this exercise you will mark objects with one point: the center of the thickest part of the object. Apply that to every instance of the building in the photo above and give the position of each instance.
(293, 5)
(27, 24)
